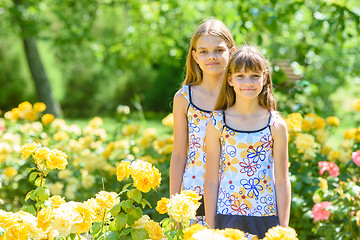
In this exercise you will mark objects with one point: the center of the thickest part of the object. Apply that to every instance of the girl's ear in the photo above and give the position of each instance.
(232, 50)
(193, 53)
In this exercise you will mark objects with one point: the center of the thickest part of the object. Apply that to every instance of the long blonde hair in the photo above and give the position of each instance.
(210, 26)
(250, 59)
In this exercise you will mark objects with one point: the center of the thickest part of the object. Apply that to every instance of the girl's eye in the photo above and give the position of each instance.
(239, 76)
(256, 76)
(220, 50)
(202, 52)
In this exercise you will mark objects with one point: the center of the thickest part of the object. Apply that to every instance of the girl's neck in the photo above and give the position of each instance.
(247, 107)
(211, 83)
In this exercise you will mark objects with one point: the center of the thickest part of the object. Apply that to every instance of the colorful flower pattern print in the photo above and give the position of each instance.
(246, 177)
(194, 174)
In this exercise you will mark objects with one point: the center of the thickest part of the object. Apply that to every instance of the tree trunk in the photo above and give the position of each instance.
(42, 83)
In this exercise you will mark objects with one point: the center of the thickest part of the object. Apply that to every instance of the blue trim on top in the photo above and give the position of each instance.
(194, 104)
(242, 131)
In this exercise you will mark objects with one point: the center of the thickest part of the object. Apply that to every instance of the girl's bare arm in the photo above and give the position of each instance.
(281, 165)
(211, 184)
(179, 154)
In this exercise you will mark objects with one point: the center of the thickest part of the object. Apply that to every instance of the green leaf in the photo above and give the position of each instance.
(33, 176)
(136, 213)
(28, 195)
(130, 220)
(125, 232)
(127, 205)
(137, 195)
(121, 220)
(130, 194)
(29, 209)
(112, 236)
(116, 209)
(95, 228)
(144, 203)
(139, 234)
(112, 226)
(38, 182)
(43, 194)
(72, 236)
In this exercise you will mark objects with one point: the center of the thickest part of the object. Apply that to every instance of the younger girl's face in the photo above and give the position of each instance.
(212, 54)
(247, 84)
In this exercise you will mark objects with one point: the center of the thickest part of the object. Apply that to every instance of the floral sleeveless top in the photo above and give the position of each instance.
(194, 174)
(246, 176)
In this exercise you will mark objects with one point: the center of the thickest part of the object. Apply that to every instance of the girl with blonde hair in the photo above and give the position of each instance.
(247, 181)
(208, 55)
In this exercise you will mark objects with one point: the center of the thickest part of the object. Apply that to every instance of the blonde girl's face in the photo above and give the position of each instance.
(212, 54)
(247, 84)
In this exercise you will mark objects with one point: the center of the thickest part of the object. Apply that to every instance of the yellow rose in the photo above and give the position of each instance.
(123, 170)
(168, 121)
(323, 184)
(96, 122)
(234, 234)
(154, 230)
(64, 174)
(141, 222)
(57, 200)
(86, 223)
(88, 181)
(306, 125)
(17, 231)
(350, 133)
(28, 149)
(55, 188)
(162, 207)
(7, 219)
(25, 106)
(356, 105)
(131, 129)
(31, 115)
(122, 144)
(188, 232)
(316, 198)
(44, 218)
(10, 172)
(192, 195)
(47, 118)
(278, 233)
(180, 209)
(293, 122)
(39, 107)
(108, 150)
(143, 181)
(333, 121)
(57, 160)
(97, 213)
(41, 156)
(326, 149)
(107, 200)
(319, 123)
(61, 135)
(304, 142)
(334, 155)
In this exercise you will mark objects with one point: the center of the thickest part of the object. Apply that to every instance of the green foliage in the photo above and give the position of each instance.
(109, 51)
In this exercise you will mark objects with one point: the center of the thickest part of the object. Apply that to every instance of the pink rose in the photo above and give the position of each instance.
(330, 166)
(319, 211)
(356, 157)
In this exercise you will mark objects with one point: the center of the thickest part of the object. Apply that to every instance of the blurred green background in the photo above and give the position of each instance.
(98, 54)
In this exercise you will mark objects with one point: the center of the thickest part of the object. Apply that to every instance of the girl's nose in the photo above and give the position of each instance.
(212, 57)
